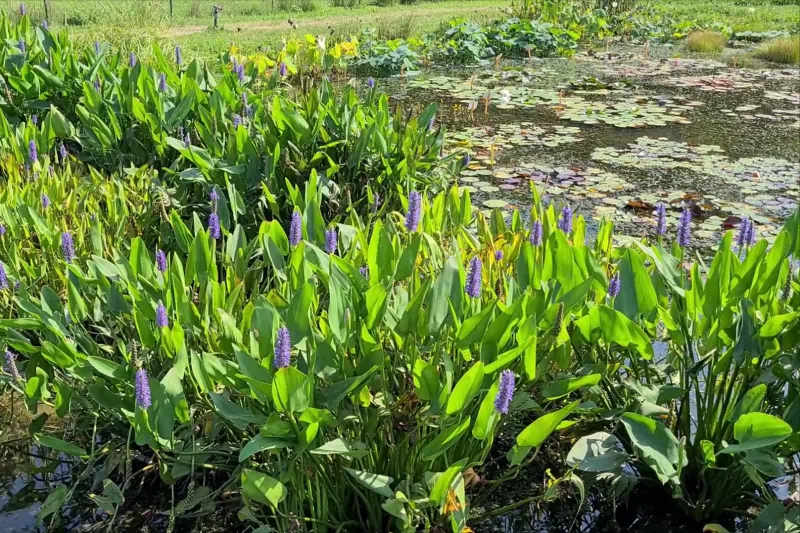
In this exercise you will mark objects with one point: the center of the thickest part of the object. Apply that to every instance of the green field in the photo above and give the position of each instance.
(135, 24)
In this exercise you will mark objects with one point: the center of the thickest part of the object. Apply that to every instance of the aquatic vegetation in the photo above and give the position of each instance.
(635, 113)
(331, 311)
(780, 50)
(706, 42)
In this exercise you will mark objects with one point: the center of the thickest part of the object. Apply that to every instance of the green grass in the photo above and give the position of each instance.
(250, 24)
(782, 50)
(706, 42)
(155, 13)
(732, 13)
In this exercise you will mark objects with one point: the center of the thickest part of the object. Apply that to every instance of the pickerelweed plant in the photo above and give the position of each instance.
(357, 387)
(240, 129)
(329, 396)
(713, 415)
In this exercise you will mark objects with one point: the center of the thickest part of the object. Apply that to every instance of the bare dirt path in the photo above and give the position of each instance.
(249, 26)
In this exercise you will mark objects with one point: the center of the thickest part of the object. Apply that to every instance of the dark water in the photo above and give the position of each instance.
(711, 124)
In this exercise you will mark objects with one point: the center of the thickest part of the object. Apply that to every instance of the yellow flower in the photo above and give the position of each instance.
(349, 48)
(452, 504)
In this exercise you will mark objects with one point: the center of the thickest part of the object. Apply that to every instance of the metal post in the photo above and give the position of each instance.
(170, 8)
(46, 11)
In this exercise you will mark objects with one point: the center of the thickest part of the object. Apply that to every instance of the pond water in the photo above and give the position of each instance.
(610, 134)
(614, 134)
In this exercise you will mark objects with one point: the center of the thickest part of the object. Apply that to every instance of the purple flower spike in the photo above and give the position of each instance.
(498, 255)
(750, 236)
(96, 85)
(178, 56)
(661, 219)
(142, 385)
(536, 233)
(744, 227)
(11, 365)
(237, 120)
(296, 229)
(131, 60)
(214, 231)
(162, 83)
(414, 211)
(239, 70)
(614, 286)
(474, 278)
(97, 48)
(747, 233)
(187, 139)
(35, 120)
(283, 70)
(466, 160)
(331, 240)
(364, 271)
(283, 349)
(3, 277)
(45, 25)
(23, 10)
(2, 230)
(67, 247)
(213, 196)
(32, 152)
(162, 320)
(161, 261)
(62, 152)
(371, 83)
(684, 228)
(45, 201)
(22, 46)
(565, 222)
(505, 392)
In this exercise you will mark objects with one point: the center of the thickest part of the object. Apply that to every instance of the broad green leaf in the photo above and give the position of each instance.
(466, 389)
(541, 428)
(262, 488)
(598, 452)
(239, 416)
(342, 447)
(374, 482)
(444, 440)
(657, 446)
(259, 443)
(563, 387)
(637, 295)
(757, 430)
(59, 445)
(290, 390)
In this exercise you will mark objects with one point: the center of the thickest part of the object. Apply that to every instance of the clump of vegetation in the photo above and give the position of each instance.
(280, 301)
(706, 42)
(782, 50)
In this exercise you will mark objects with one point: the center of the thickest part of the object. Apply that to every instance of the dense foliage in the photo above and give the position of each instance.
(216, 305)
(197, 129)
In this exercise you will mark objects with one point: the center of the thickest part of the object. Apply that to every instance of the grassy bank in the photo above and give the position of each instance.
(739, 16)
(250, 24)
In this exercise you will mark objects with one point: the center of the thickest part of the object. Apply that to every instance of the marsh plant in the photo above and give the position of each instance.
(241, 295)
